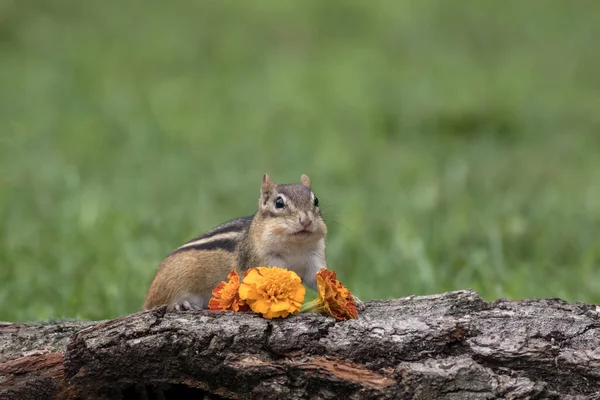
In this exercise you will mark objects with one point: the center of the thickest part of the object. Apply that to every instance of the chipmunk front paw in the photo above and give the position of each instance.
(187, 304)
(360, 305)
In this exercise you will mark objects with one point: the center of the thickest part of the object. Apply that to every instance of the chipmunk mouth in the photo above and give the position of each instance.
(304, 236)
(302, 232)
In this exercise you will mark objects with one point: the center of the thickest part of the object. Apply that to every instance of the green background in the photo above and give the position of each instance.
(452, 144)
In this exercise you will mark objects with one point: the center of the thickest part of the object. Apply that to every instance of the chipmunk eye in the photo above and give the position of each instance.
(316, 201)
(279, 203)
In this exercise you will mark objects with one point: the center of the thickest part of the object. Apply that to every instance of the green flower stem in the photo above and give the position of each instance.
(311, 306)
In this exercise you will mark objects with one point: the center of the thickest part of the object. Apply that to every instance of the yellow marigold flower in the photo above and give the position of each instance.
(334, 298)
(272, 291)
(226, 295)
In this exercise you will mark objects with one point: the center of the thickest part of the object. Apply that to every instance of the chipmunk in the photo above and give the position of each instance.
(287, 231)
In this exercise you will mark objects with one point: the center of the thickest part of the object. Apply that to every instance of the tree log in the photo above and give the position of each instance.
(448, 346)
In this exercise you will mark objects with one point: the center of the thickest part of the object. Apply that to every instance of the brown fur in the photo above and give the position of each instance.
(189, 272)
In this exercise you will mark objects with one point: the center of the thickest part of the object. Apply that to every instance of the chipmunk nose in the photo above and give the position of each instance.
(305, 221)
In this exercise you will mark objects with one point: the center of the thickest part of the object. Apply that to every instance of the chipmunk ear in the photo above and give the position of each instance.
(266, 189)
(305, 180)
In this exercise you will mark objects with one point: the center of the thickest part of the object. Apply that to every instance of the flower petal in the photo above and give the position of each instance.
(214, 304)
(244, 291)
(233, 276)
(225, 294)
(252, 277)
(280, 306)
(218, 289)
(260, 306)
(299, 294)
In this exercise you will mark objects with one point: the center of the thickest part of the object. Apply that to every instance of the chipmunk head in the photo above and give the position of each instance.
(292, 210)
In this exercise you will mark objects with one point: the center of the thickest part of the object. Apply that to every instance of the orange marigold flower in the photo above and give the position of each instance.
(334, 298)
(272, 291)
(226, 297)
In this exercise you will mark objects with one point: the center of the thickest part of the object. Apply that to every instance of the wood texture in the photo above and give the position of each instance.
(448, 346)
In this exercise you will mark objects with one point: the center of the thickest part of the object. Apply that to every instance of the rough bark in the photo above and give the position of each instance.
(31, 358)
(448, 346)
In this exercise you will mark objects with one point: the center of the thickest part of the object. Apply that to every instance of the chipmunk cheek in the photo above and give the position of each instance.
(279, 229)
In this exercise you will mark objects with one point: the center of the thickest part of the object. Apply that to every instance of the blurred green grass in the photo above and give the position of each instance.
(452, 144)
